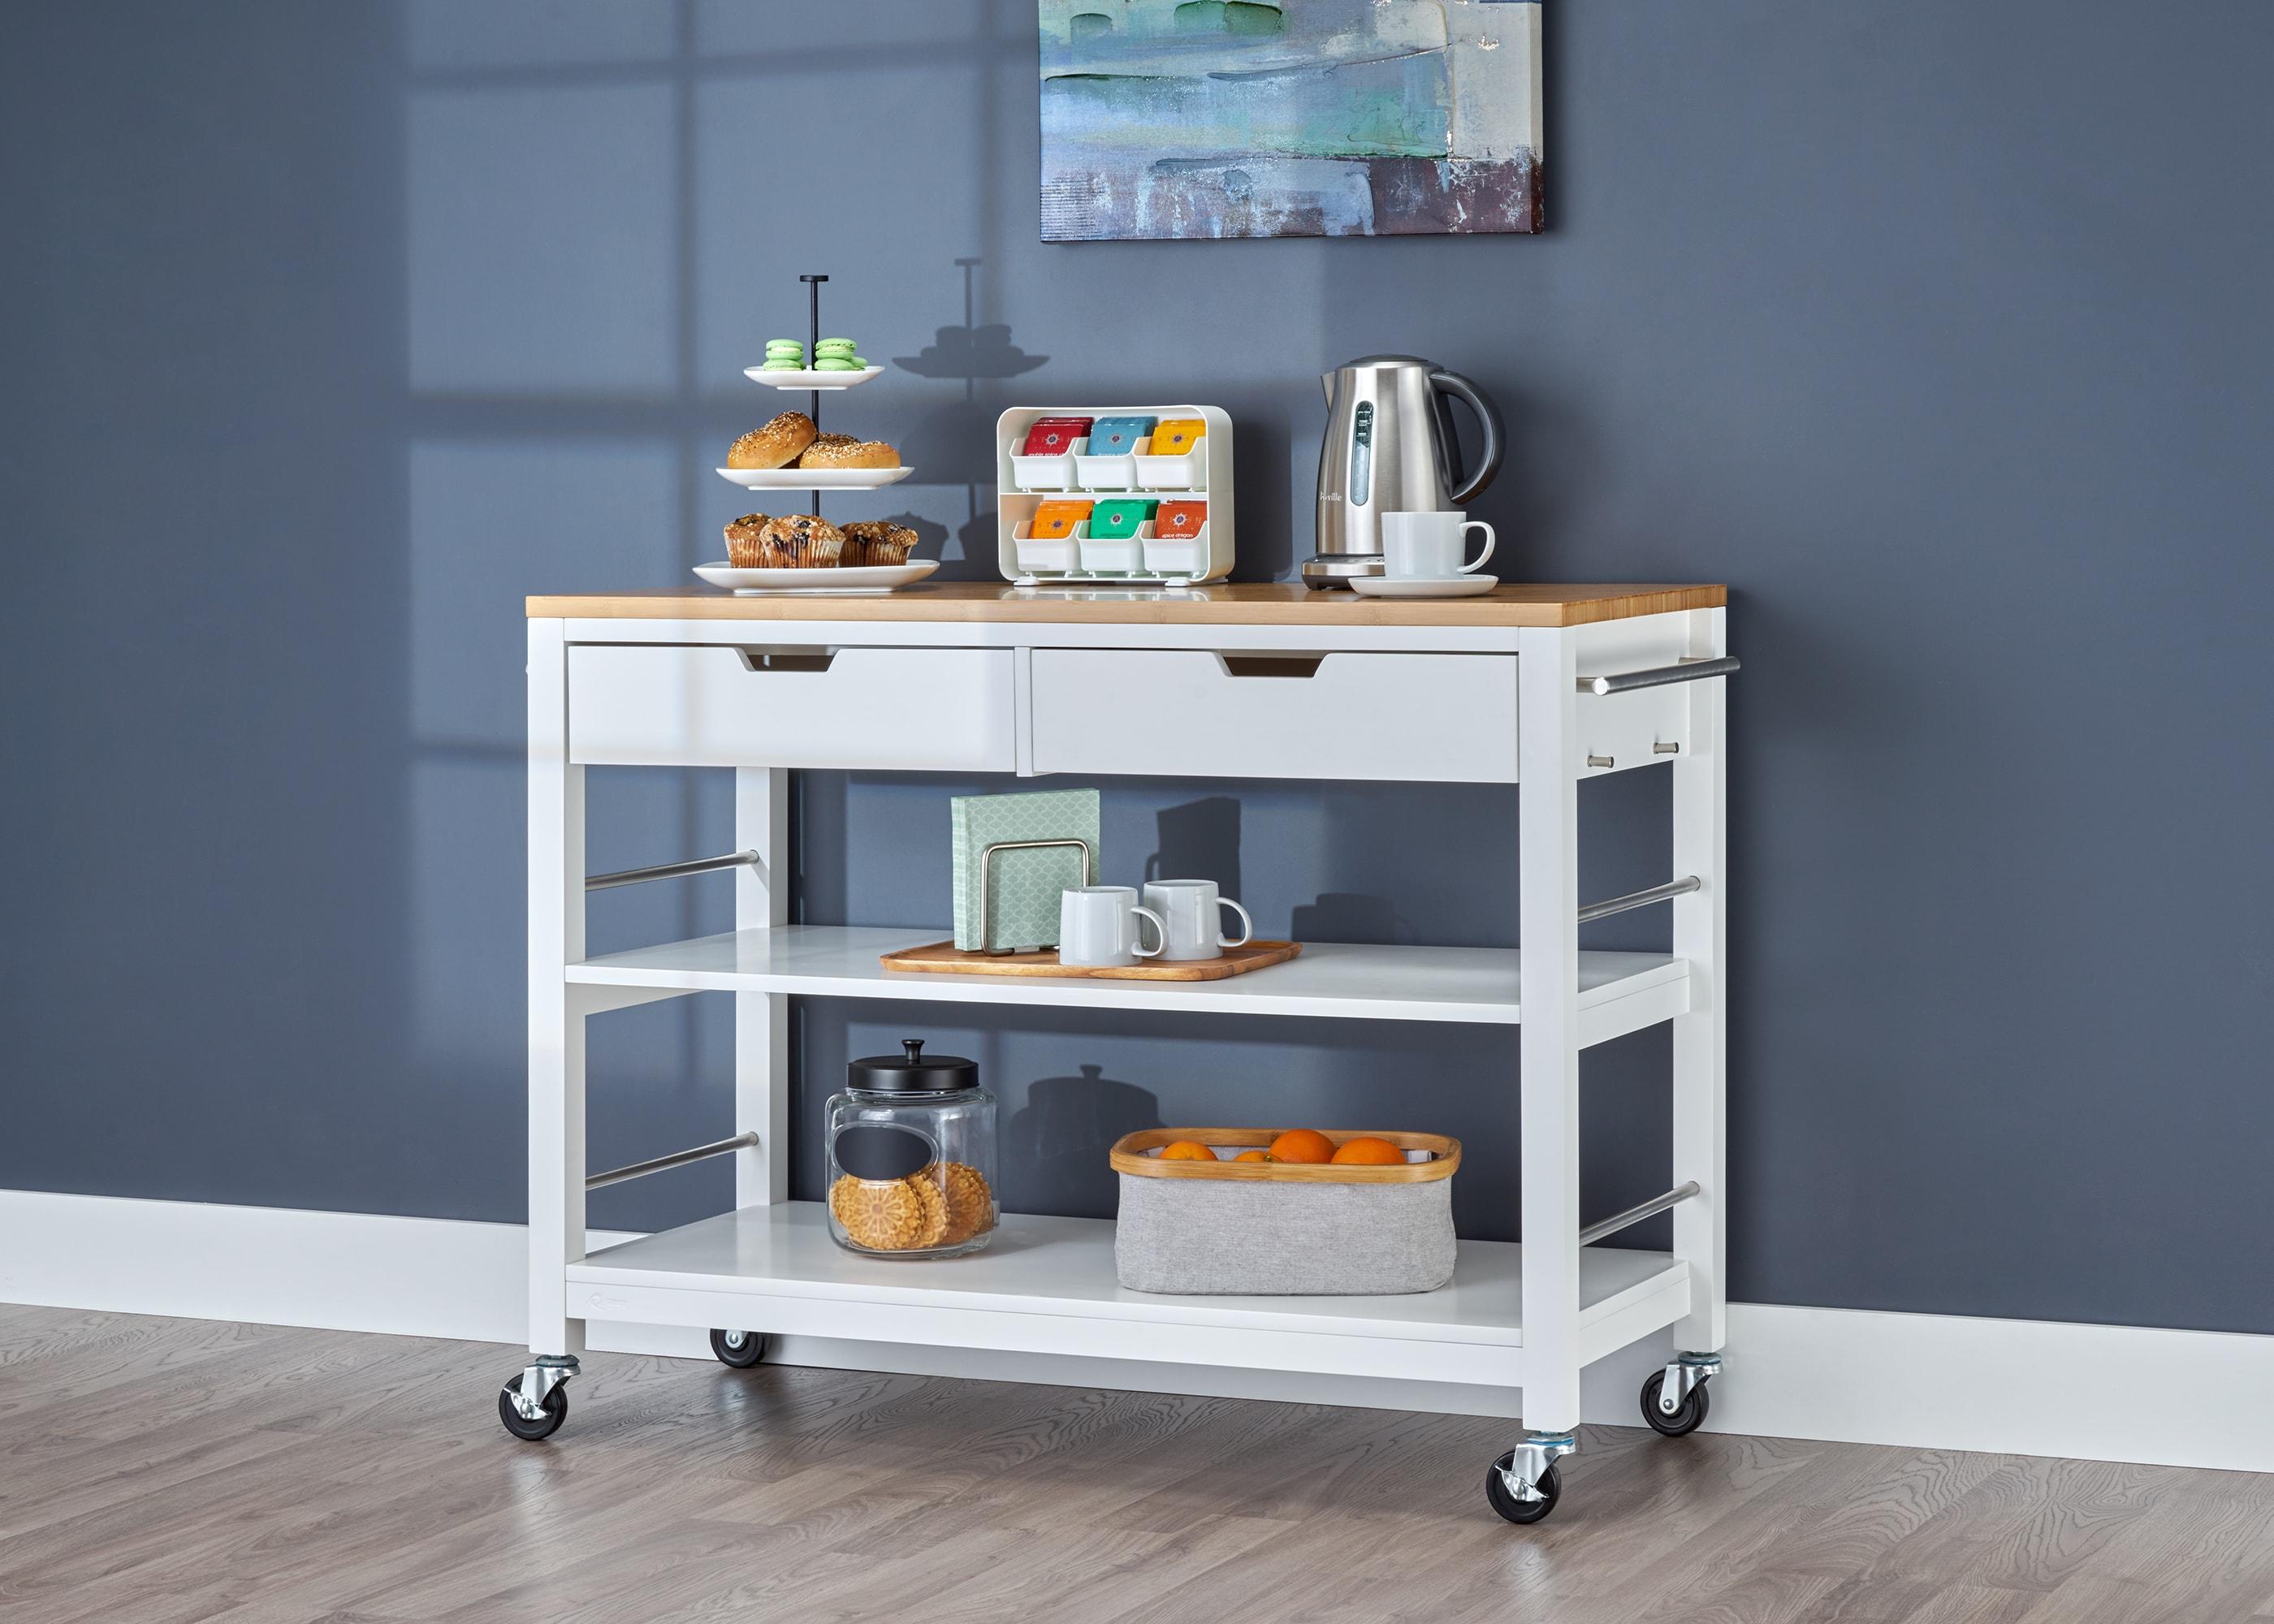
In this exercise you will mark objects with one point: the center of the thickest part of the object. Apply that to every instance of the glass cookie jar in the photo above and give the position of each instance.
(912, 1157)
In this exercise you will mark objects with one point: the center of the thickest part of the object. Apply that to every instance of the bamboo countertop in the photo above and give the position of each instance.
(1232, 604)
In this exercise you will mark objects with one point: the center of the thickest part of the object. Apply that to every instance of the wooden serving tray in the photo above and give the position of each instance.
(1129, 1155)
(948, 956)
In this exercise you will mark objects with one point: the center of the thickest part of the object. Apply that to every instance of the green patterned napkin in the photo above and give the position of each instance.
(1023, 910)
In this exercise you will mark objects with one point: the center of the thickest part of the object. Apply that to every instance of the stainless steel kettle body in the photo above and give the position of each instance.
(1390, 448)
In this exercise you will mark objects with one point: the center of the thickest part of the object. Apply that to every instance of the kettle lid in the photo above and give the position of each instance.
(1391, 360)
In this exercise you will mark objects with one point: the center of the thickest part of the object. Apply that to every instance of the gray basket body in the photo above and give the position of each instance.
(1262, 1238)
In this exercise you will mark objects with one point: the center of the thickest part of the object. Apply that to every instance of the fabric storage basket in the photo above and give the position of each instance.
(1282, 1229)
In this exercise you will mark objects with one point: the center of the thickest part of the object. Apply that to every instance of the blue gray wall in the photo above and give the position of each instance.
(1938, 330)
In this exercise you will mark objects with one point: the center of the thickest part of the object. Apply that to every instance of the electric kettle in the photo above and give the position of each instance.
(1390, 448)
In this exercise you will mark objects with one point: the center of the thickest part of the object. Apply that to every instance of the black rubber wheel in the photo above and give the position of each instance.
(556, 1411)
(740, 1348)
(1496, 1490)
(1683, 1421)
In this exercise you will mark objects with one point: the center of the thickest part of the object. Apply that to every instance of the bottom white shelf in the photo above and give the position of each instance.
(1047, 1285)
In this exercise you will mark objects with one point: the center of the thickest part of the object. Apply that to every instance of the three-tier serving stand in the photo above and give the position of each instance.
(814, 481)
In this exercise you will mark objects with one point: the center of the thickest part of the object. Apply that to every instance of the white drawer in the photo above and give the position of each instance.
(717, 706)
(1192, 712)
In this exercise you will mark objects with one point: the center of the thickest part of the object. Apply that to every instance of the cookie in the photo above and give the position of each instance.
(839, 346)
(970, 1204)
(933, 1199)
(836, 364)
(885, 1215)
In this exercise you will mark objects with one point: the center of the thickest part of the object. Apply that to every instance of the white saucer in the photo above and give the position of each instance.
(1423, 586)
(805, 378)
(815, 479)
(866, 578)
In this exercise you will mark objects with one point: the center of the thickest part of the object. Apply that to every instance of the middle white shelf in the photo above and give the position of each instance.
(1618, 992)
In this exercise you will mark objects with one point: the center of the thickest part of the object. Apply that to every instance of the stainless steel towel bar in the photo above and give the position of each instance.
(1635, 1215)
(1666, 892)
(1659, 676)
(678, 1158)
(668, 871)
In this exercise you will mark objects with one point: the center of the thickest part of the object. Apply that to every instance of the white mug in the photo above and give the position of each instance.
(1190, 908)
(1098, 929)
(1427, 546)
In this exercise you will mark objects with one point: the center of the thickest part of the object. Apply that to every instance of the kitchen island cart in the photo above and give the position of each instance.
(1537, 686)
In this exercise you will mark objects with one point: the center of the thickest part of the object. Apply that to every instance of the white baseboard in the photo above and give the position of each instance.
(2094, 1392)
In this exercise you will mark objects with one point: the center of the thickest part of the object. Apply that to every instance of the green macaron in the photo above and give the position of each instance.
(787, 343)
(835, 364)
(845, 344)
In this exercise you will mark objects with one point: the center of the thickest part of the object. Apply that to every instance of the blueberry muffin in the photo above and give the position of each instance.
(878, 541)
(799, 541)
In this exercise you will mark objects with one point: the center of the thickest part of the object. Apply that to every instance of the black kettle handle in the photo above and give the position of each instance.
(1488, 415)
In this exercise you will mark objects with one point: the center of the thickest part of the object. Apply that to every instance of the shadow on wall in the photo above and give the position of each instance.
(955, 443)
(1053, 1145)
(563, 416)
(1200, 841)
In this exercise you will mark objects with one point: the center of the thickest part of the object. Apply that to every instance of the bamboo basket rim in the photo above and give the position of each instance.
(1128, 1156)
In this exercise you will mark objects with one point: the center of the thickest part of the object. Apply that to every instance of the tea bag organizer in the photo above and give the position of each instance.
(1023, 483)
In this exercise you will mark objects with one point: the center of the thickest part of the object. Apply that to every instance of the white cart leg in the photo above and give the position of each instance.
(761, 1019)
(532, 1406)
(1523, 1485)
(1700, 929)
(762, 1080)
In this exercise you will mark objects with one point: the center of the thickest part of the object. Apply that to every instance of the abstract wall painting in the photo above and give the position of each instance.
(1209, 118)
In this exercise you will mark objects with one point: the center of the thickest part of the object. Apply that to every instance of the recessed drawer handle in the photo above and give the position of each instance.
(786, 659)
(1272, 665)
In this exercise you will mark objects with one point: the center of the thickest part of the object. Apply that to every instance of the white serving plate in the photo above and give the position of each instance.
(1423, 586)
(805, 378)
(867, 578)
(815, 479)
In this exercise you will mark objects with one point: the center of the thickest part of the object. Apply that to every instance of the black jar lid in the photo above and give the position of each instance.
(912, 1072)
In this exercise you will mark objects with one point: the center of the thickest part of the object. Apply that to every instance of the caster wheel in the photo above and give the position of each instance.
(556, 1411)
(1496, 1490)
(740, 1348)
(1683, 1421)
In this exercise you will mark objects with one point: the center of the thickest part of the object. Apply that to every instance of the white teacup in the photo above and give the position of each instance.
(1427, 546)
(1098, 928)
(1190, 908)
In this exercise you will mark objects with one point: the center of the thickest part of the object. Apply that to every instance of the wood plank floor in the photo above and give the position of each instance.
(164, 1471)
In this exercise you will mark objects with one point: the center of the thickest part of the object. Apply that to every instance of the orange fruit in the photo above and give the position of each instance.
(1367, 1151)
(1302, 1144)
(1187, 1150)
(1251, 1156)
